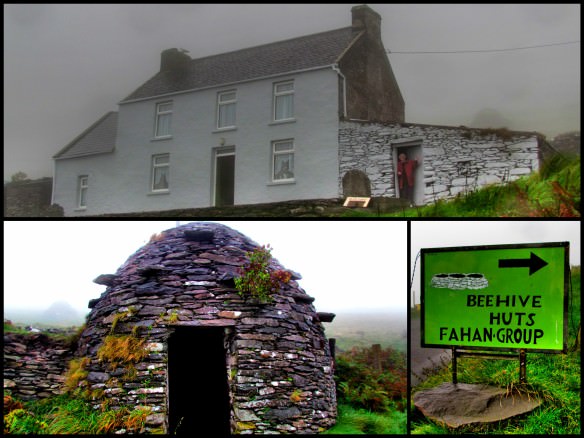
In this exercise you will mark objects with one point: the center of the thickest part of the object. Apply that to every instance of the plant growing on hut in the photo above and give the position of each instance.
(256, 279)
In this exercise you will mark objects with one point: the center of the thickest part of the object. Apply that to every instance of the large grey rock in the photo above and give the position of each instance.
(459, 404)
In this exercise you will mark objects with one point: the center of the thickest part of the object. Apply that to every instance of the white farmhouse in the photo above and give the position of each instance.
(315, 117)
(251, 126)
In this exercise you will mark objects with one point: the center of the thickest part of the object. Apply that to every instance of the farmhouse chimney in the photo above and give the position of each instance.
(174, 60)
(365, 18)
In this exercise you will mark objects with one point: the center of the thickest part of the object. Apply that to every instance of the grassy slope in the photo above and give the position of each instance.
(554, 377)
(552, 192)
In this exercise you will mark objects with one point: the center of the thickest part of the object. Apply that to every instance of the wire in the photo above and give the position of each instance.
(483, 51)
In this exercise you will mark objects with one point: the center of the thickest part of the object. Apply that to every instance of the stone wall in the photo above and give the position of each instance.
(30, 198)
(455, 160)
(278, 364)
(34, 365)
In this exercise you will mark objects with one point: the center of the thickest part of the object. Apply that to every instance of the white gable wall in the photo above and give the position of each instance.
(120, 182)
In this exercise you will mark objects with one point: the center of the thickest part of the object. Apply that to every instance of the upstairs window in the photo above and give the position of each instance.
(160, 172)
(284, 100)
(283, 161)
(163, 119)
(226, 102)
(82, 186)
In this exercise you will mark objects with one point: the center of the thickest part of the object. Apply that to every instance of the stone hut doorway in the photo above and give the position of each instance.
(414, 151)
(198, 399)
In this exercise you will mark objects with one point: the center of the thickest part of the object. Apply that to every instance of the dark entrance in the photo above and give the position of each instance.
(197, 382)
(224, 179)
(413, 152)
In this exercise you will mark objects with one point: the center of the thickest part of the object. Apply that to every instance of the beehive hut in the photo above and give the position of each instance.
(172, 334)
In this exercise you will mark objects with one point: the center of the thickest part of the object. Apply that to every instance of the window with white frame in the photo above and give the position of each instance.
(163, 119)
(282, 160)
(160, 172)
(226, 103)
(284, 100)
(82, 186)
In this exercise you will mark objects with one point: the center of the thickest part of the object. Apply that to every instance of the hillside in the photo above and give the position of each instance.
(365, 329)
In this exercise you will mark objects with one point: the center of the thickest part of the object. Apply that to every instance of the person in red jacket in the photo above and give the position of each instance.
(405, 176)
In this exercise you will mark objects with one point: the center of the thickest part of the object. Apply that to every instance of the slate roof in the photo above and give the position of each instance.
(99, 138)
(307, 52)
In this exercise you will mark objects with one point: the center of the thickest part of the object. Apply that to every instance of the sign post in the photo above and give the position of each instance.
(510, 298)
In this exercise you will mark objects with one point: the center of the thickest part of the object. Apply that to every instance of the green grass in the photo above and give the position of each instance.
(554, 191)
(352, 421)
(555, 378)
(68, 414)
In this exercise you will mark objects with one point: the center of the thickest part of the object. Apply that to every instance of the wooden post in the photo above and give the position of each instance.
(332, 346)
(522, 366)
(454, 370)
(376, 349)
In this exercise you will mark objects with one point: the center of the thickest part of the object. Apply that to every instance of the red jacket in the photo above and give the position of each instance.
(405, 171)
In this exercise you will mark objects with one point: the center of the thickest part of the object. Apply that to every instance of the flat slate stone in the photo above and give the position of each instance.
(459, 404)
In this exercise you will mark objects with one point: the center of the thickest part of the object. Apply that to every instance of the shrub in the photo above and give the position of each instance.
(360, 385)
(76, 373)
(256, 280)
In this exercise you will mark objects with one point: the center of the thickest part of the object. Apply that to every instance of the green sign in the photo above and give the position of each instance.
(503, 297)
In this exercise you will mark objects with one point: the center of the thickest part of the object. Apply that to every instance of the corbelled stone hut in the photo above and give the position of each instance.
(172, 334)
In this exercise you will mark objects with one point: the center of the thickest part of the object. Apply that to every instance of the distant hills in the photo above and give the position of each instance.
(58, 314)
(365, 329)
(567, 143)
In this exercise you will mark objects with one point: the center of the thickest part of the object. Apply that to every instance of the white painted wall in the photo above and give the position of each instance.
(119, 182)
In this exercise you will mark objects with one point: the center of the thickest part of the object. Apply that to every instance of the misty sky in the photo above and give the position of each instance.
(346, 266)
(67, 65)
(442, 234)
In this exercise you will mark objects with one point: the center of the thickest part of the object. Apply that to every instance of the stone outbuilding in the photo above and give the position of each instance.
(171, 333)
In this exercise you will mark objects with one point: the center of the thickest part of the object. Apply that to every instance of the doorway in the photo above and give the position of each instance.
(413, 152)
(224, 177)
(198, 392)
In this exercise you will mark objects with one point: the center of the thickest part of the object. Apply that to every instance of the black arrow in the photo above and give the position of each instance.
(534, 263)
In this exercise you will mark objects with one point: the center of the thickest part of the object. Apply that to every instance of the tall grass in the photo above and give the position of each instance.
(69, 414)
(353, 421)
(371, 392)
(553, 191)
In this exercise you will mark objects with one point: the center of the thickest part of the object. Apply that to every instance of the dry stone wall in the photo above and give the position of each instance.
(34, 365)
(278, 364)
(455, 160)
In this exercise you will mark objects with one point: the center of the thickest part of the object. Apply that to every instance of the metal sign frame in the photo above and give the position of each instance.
(533, 266)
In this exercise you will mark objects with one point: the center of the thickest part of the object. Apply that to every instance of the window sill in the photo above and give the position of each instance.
(282, 122)
(226, 129)
(158, 192)
(166, 137)
(79, 209)
(282, 183)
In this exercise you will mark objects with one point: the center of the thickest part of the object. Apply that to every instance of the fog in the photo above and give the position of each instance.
(67, 65)
(345, 266)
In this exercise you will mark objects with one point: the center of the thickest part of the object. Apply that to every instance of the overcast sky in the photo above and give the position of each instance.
(346, 266)
(67, 65)
(442, 234)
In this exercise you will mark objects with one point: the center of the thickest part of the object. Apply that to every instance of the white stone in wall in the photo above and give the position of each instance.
(437, 188)
(430, 151)
(500, 164)
(456, 190)
(481, 145)
(523, 156)
(484, 180)
(520, 171)
(463, 181)
(523, 145)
